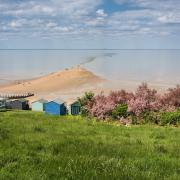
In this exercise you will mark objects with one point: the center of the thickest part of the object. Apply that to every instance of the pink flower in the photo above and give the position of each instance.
(102, 105)
(145, 99)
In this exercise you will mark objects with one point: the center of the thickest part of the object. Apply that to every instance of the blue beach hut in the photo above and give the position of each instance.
(39, 105)
(55, 107)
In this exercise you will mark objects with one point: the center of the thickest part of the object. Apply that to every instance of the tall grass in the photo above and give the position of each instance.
(38, 146)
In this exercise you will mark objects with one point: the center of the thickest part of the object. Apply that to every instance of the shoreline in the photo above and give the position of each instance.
(73, 83)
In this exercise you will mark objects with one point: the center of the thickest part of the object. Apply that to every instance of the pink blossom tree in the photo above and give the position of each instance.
(102, 105)
(145, 99)
(171, 99)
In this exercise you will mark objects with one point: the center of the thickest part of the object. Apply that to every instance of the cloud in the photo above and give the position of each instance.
(99, 20)
(38, 17)
(55, 18)
(101, 13)
(170, 18)
(15, 24)
(155, 17)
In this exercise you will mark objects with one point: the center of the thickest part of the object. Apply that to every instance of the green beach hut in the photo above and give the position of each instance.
(74, 108)
(39, 105)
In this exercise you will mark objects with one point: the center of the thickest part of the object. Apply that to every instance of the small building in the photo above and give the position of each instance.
(55, 107)
(74, 108)
(2, 103)
(19, 104)
(39, 105)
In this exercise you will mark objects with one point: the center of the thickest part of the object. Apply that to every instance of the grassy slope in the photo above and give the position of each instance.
(37, 146)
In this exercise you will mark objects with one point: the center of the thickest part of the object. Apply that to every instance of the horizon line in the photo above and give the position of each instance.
(89, 49)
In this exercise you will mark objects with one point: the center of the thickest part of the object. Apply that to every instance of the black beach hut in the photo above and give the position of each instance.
(19, 104)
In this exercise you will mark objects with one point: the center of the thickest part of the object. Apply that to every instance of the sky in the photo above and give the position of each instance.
(128, 24)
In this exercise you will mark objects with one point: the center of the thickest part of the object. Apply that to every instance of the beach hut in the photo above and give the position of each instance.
(74, 108)
(2, 103)
(39, 105)
(19, 104)
(55, 107)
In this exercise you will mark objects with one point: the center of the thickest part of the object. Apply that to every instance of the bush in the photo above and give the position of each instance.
(152, 117)
(101, 106)
(143, 106)
(84, 101)
(172, 98)
(162, 118)
(145, 99)
(170, 118)
(120, 111)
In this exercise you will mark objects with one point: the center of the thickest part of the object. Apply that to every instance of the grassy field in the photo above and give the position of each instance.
(38, 146)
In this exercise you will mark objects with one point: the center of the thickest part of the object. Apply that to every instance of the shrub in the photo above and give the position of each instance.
(120, 97)
(172, 98)
(102, 106)
(84, 101)
(162, 118)
(120, 111)
(144, 106)
(145, 99)
(152, 117)
(134, 119)
(170, 118)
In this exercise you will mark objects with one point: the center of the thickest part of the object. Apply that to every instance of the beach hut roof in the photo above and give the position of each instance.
(73, 102)
(41, 101)
(21, 100)
(58, 101)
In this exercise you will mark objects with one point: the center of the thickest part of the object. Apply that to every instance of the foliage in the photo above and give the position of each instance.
(120, 97)
(88, 96)
(163, 118)
(102, 106)
(170, 118)
(120, 111)
(72, 148)
(145, 99)
(171, 100)
(151, 117)
(84, 101)
(141, 104)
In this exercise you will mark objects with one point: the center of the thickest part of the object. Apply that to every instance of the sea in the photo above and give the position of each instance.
(125, 65)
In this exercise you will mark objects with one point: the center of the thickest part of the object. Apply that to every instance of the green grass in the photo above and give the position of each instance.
(37, 146)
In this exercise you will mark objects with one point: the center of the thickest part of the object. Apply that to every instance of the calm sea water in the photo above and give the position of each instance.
(127, 65)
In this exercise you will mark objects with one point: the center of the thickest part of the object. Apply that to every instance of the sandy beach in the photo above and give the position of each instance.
(69, 83)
